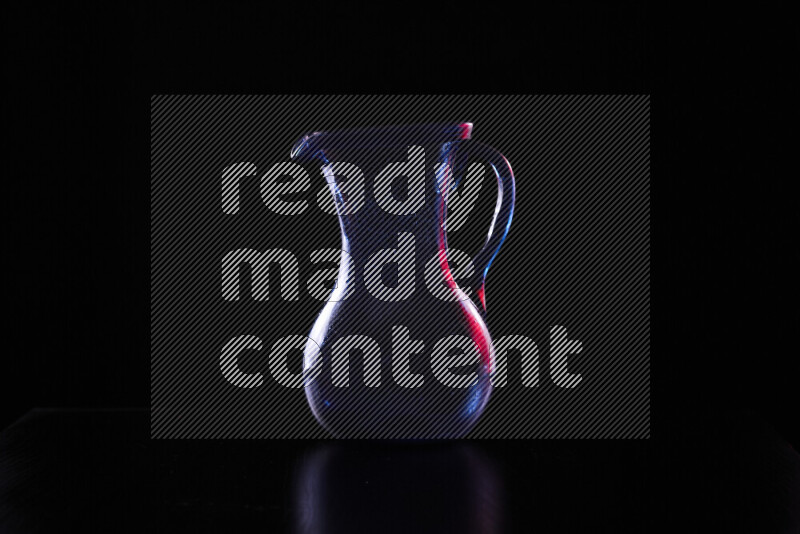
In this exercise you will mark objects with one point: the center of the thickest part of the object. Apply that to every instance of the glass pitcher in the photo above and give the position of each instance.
(400, 350)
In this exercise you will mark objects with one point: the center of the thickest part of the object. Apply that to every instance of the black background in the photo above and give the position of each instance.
(724, 245)
(79, 114)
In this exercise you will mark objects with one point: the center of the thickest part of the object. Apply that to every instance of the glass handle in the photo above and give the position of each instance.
(501, 220)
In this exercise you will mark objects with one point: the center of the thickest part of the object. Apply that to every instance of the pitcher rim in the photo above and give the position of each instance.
(380, 136)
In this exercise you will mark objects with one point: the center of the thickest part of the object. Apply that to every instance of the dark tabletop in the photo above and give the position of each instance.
(98, 471)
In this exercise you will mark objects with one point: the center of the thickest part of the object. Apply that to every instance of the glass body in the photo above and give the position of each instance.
(399, 350)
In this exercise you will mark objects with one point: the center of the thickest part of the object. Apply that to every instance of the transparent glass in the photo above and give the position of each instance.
(399, 350)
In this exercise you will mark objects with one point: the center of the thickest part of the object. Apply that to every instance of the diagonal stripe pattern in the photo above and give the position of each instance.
(225, 253)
